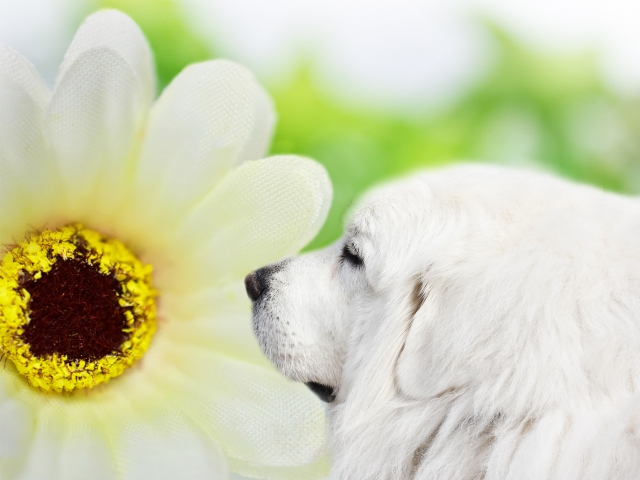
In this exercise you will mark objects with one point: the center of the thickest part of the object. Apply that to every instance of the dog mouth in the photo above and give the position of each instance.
(324, 392)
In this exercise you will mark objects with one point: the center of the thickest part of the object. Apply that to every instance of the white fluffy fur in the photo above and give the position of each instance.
(493, 332)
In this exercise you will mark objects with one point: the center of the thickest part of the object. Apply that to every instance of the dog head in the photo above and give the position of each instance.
(472, 279)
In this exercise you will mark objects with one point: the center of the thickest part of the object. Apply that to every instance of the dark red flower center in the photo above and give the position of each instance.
(74, 311)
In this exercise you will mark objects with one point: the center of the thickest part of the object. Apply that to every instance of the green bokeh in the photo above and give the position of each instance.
(361, 148)
(527, 98)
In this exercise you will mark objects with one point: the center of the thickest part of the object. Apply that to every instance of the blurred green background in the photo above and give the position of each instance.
(541, 110)
(537, 107)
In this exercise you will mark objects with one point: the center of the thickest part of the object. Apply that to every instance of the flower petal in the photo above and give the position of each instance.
(259, 213)
(15, 425)
(169, 448)
(267, 426)
(264, 423)
(115, 31)
(86, 454)
(43, 457)
(94, 120)
(25, 171)
(217, 319)
(22, 76)
(212, 116)
(69, 443)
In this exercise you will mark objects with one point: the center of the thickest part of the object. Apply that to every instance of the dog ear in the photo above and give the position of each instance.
(415, 366)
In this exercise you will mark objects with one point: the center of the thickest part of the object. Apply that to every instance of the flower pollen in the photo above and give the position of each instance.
(76, 308)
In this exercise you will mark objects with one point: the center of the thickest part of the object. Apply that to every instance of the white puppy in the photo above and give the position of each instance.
(474, 322)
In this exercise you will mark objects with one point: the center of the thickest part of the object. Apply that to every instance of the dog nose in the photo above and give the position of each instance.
(256, 282)
(254, 285)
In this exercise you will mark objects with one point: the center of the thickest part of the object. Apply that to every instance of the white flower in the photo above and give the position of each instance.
(179, 183)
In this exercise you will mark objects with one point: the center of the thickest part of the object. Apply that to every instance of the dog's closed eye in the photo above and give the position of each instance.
(348, 255)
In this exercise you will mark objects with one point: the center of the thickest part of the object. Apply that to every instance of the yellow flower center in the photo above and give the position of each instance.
(76, 308)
